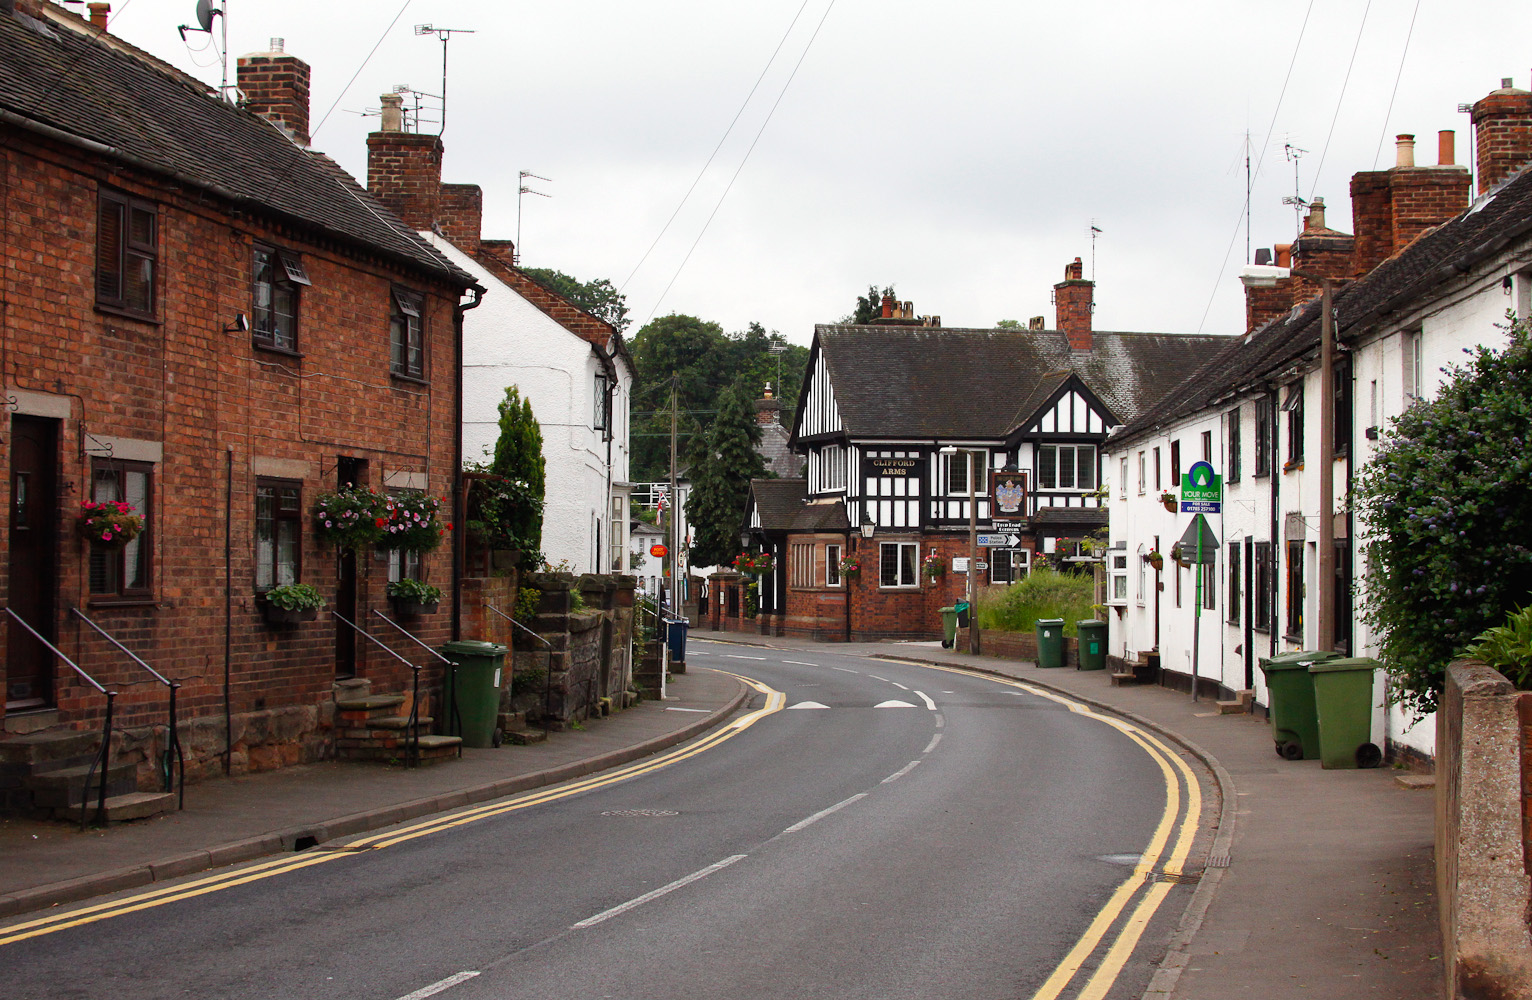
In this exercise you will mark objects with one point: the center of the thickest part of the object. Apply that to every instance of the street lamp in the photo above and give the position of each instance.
(1266, 276)
(973, 549)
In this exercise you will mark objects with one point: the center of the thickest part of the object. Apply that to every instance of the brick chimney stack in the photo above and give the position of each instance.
(768, 409)
(460, 215)
(1502, 124)
(404, 169)
(99, 12)
(1389, 208)
(1319, 250)
(276, 86)
(1074, 301)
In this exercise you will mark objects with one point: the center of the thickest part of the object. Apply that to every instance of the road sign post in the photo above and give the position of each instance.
(1201, 493)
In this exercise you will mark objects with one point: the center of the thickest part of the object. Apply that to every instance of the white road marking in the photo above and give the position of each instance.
(821, 814)
(800, 663)
(929, 703)
(806, 704)
(906, 769)
(932, 745)
(940, 722)
(435, 988)
(846, 670)
(656, 894)
(702, 652)
(899, 686)
(875, 677)
(736, 656)
(893, 703)
(686, 709)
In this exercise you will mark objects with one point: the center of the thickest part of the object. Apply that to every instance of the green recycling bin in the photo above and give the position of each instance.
(1092, 644)
(1343, 702)
(949, 627)
(1294, 723)
(1050, 642)
(472, 702)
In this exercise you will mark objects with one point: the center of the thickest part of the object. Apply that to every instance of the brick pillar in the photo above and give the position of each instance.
(1503, 132)
(404, 172)
(1074, 301)
(460, 214)
(276, 86)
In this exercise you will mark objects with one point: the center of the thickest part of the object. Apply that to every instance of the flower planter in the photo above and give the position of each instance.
(1169, 503)
(287, 616)
(1157, 561)
(414, 609)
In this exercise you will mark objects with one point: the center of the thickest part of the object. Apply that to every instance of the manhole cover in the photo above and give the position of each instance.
(640, 812)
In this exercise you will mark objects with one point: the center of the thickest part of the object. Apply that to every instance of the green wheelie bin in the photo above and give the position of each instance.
(1092, 644)
(1294, 722)
(1343, 702)
(473, 691)
(1050, 642)
(949, 627)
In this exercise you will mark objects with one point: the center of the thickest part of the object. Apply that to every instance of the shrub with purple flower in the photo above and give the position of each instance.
(410, 522)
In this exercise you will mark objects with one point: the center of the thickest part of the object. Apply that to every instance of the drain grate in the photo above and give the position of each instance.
(1218, 861)
(640, 813)
(1177, 878)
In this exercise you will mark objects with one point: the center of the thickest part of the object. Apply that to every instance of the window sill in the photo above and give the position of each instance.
(269, 348)
(137, 317)
(1296, 465)
(904, 587)
(411, 379)
(1296, 640)
(108, 601)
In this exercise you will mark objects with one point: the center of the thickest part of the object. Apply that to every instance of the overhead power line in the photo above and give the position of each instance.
(1395, 92)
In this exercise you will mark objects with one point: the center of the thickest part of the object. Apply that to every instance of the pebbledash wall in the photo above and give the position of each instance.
(187, 396)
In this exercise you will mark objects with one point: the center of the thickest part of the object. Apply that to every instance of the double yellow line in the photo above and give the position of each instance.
(1159, 855)
(280, 866)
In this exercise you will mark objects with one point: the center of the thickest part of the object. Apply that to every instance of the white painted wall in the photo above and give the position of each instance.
(509, 341)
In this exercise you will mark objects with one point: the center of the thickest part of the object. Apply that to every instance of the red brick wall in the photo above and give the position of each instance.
(498, 257)
(213, 401)
(1503, 134)
(1262, 305)
(404, 172)
(1425, 197)
(1372, 219)
(277, 85)
(460, 214)
(1073, 300)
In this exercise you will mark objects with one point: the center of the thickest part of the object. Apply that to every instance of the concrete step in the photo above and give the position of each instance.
(523, 736)
(49, 746)
(1240, 705)
(138, 805)
(66, 787)
(432, 749)
(400, 722)
(364, 710)
(1124, 680)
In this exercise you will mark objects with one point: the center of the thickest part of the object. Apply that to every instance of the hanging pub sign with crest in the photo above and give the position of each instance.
(1008, 487)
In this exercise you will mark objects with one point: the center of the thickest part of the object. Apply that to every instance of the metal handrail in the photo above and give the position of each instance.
(412, 745)
(455, 722)
(547, 674)
(104, 755)
(175, 757)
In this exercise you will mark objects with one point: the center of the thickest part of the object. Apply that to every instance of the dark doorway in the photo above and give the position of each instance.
(349, 471)
(33, 561)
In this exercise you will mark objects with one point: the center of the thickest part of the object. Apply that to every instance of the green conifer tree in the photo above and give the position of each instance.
(519, 456)
(721, 480)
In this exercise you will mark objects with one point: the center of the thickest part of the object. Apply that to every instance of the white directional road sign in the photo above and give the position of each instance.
(999, 541)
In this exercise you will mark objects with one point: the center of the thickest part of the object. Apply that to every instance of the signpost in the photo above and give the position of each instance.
(999, 541)
(1201, 494)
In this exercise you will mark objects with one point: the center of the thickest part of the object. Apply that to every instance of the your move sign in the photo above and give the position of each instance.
(1201, 490)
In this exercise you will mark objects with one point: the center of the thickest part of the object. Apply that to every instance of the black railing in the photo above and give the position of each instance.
(103, 757)
(173, 759)
(412, 743)
(455, 719)
(547, 673)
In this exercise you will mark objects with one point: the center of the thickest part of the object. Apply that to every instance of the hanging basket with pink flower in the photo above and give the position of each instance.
(351, 517)
(754, 563)
(411, 523)
(110, 523)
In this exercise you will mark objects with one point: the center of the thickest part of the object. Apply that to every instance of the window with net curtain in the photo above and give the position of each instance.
(124, 571)
(1066, 467)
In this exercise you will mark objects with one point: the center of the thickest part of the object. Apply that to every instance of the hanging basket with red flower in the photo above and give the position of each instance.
(351, 517)
(754, 563)
(410, 523)
(109, 523)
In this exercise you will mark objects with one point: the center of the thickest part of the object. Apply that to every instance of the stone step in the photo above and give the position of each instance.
(523, 736)
(66, 787)
(48, 746)
(1241, 704)
(1124, 680)
(432, 749)
(138, 805)
(400, 722)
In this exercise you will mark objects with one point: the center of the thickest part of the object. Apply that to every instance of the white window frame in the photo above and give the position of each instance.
(831, 469)
(832, 565)
(1017, 573)
(1117, 576)
(1074, 451)
(900, 565)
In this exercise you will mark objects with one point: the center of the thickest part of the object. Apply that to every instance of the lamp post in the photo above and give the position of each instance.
(1266, 277)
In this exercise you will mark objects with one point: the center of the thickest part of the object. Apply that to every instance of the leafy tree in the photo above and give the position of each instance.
(870, 306)
(1009, 324)
(1450, 516)
(509, 510)
(600, 298)
(721, 480)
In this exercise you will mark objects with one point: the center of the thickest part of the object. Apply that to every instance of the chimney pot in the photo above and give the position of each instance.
(1405, 155)
(99, 13)
(1505, 83)
(888, 306)
(1316, 216)
(1446, 148)
(393, 113)
(277, 44)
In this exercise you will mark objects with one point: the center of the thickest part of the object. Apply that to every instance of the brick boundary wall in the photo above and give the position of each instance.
(1482, 877)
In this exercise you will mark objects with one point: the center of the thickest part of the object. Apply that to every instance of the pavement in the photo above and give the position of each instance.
(1320, 883)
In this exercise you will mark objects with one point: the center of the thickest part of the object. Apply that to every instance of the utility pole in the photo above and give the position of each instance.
(672, 533)
(973, 557)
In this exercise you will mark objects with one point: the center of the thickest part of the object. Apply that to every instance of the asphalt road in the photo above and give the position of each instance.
(927, 834)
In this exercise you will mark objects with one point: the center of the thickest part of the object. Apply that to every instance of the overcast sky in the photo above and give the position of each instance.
(960, 151)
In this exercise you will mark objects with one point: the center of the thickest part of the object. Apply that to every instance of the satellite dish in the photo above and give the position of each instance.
(205, 14)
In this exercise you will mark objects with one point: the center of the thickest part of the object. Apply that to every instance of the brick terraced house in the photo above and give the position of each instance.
(203, 317)
(892, 415)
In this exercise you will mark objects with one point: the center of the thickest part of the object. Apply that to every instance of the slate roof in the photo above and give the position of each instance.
(62, 76)
(782, 507)
(1492, 223)
(935, 382)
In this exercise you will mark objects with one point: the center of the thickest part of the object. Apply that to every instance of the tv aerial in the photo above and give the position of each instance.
(205, 14)
(445, 34)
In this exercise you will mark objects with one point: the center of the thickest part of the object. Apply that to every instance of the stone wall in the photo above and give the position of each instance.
(1482, 834)
(586, 654)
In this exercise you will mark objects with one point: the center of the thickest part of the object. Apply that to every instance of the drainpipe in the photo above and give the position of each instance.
(459, 509)
(1274, 472)
(228, 610)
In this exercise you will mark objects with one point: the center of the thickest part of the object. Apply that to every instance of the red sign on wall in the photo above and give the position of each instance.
(658, 550)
